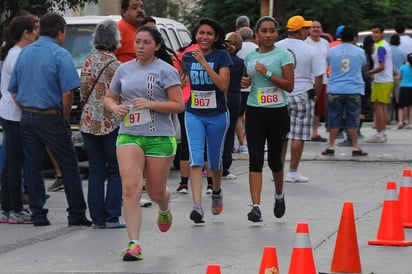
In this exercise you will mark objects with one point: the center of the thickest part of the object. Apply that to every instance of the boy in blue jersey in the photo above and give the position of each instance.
(346, 86)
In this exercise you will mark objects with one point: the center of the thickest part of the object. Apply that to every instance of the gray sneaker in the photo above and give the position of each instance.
(376, 139)
(217, 203)
(57, 185)
(22, 217)
(4, 216)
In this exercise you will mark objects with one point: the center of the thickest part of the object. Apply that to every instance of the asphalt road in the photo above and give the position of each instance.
(229, 239)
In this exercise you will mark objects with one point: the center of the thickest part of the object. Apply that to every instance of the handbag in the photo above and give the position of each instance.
(84, 100)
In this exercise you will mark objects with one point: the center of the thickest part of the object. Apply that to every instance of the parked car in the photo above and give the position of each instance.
(79, 34)
(387, 33)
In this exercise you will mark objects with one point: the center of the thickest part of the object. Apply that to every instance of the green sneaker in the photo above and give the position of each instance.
(132, 253)
(164, 221)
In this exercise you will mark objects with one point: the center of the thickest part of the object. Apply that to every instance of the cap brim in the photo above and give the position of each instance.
(307, 24)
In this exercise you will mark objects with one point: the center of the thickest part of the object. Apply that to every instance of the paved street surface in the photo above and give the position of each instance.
(229, 239)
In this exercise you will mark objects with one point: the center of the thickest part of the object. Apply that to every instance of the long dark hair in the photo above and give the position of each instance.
(14, 33)
(164, 52)
(219, 31)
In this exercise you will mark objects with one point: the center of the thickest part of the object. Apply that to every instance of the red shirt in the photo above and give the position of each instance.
(127, 34)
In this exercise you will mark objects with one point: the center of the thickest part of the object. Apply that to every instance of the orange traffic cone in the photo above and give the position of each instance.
(405, 198)
(346, 256)
(269, 261)
(213, 269)
(390, 230)
(302, 256)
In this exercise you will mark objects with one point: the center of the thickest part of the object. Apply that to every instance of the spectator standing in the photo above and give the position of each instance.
(206, 114)
(322, 46)
(46, 97)
(405, 40)
(234, 44)
(405, 96)
(346, 86)
(247, 46)
(19, 34)
(382, 86)
(398, 59)
(270, 70)
(150, 90)
(133, 14)
(99, 128)
(309, 64)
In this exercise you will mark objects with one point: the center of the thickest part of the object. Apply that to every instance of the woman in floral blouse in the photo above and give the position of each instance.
(99, 128)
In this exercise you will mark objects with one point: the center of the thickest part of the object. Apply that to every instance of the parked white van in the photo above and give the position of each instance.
(79, 34)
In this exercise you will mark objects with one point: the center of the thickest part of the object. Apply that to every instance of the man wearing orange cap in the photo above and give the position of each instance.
(309, 68)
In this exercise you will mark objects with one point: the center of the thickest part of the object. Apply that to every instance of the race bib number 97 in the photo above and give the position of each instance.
(137, 117)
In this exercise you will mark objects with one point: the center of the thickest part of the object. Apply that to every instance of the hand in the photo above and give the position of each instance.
(184, 79)
(121, 110)
(245, 82)
(260, 68)
(141, 103)
(198, 55)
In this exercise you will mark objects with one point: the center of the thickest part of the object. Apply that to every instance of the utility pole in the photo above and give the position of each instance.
(273, 8)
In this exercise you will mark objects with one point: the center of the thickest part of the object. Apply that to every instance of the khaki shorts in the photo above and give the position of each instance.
(381, 92)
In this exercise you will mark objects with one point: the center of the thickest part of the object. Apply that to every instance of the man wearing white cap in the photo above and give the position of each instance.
(309, 68)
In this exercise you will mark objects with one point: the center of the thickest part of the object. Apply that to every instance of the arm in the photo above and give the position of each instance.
(110, 103)
(175, 104)
(286, 82)
(318, 85)
(68, 97)
(221, 79)
(378, 69)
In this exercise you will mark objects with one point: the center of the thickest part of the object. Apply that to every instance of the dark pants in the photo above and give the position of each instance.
(233, 103)
(52, 131)
(104, 206)
(11, 177)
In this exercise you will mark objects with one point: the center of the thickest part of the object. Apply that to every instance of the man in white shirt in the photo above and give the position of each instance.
(308, 65)
(322, 46)
(247, 45)
(406, 40)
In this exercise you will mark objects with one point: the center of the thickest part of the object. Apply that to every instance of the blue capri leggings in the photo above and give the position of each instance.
(211, 128)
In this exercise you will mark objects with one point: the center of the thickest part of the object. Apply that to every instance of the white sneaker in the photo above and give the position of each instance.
(295, 177)
(145, 202)
(242, 149)
(376, 139)
(230, 176)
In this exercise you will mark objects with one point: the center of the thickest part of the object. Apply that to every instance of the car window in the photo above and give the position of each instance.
(185, 36)
(78, 42)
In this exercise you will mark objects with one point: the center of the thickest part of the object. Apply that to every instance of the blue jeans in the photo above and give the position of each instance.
(104, 206)
(41, 130)
(11, 178)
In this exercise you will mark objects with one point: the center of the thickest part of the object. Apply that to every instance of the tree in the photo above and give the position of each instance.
(10, 7)
(223, 11)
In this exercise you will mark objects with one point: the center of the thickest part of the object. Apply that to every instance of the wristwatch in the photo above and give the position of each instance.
(268, 74)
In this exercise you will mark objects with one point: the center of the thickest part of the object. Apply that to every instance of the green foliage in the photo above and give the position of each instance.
(331, 13)
(223, 11)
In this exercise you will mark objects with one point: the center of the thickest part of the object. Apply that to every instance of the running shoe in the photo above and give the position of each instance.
(295, 177)
(197, 215)
(209, 189)
(229, 176)
(242, 150)
(132, 253)
(57, 185)
(4, 216)
(217, 203)
(22, 217)
(164, 221)
(255, 215)
(182, 188)
(279, 207)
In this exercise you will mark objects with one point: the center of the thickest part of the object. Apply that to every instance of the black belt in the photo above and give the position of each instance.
(47, 111)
